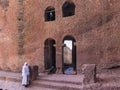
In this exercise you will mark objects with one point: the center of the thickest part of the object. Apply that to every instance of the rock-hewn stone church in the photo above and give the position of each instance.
(59, 34)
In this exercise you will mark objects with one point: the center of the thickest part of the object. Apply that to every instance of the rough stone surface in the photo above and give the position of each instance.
(23, 31)
(89, 71)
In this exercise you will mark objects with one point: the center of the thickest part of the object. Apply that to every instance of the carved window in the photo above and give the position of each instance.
(68, 9)
(50, 14)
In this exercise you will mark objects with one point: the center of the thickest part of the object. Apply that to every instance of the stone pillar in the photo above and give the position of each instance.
(59, 58)
(89, 71)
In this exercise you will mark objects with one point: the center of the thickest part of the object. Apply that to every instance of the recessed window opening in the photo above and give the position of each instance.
(68, 9)
(50, 14)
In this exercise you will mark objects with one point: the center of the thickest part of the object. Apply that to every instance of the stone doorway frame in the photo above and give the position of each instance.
(74, 61)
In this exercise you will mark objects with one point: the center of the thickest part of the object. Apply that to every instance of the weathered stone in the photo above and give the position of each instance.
(35, 72)
(89, 71)
(94, 26)
(4, 3)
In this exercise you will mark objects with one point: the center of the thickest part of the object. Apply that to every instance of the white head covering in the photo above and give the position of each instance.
(25, 63)
(25, 69)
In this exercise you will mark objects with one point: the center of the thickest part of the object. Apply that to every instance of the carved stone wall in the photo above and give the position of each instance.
(95, 27)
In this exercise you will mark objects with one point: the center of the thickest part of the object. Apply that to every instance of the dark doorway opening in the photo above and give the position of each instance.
(50, 55)
(69, 55)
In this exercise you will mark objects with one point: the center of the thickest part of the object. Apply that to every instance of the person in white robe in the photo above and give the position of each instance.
(25, 74)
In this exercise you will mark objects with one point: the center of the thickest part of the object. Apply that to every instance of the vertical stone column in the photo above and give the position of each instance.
(20, 26)
(59, 58)
(89, 71)
(20, 19)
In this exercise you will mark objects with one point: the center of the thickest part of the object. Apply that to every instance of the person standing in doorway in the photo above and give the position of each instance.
(25, 74)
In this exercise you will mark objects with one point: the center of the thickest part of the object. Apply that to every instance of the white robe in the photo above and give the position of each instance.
(25, 74)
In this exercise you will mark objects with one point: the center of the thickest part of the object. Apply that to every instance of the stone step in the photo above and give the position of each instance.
(60, 81)
(8, 78)
(55, 82)
(57, 85)
(74, 79)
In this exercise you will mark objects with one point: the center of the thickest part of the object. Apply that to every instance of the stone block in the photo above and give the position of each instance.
(89, 71)
(35, 72)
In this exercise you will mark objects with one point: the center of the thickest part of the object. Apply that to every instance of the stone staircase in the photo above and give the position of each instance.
(60, 82)
(45, 81)
(12, 81)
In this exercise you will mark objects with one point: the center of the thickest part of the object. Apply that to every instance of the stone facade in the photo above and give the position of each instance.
(94, 26)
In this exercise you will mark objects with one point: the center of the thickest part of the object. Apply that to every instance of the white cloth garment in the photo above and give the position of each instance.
(25, 74)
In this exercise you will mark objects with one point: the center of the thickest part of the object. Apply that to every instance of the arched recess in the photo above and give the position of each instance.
(69, 55)
(50, 55)
(68, 9)
(50, 14)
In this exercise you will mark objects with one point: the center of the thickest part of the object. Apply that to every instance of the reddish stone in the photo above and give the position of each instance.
(89, 71)
(23, 31)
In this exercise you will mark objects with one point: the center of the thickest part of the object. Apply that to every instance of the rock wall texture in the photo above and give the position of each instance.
(23, 31)
(8, 35)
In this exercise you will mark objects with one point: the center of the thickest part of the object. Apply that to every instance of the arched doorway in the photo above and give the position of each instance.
(69, 55)
(50, 55)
